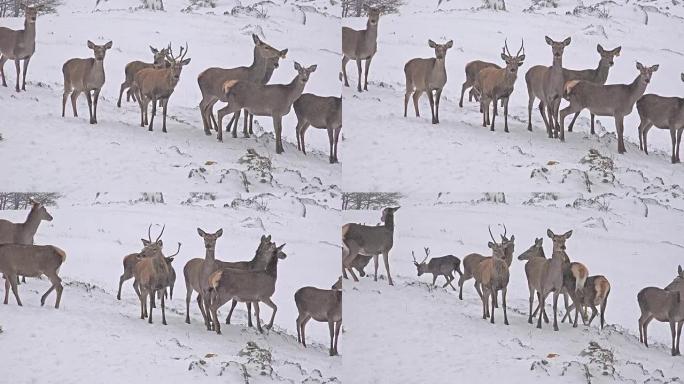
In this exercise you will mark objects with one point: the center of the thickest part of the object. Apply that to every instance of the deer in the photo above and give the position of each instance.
(472, 260)
(664, 305)
(31, 261)
(130, 260)
(324, 305)
(85, 75)
(494, 84)
(664, 113)
(19, 45)
(228, 284)
(274, 100)
(427, 75)
(491, 275)
(616, 100)
(211, 80)
(358, 239)
(158, 84)
(360, 45)
(546, 84)
(134, 66)
(319, 112)
(596, 76)
(360, 262)
(438, 266)
(595, 292)
(197, 271)
(472, 69)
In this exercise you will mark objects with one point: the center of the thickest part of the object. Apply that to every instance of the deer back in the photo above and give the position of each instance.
(20, 44)
(663, 112)
(474, 67)
(30, 260)
(372, 240)
(320, 112)
(662, 304)
(321, 304)
(211, 80)
(155, 82)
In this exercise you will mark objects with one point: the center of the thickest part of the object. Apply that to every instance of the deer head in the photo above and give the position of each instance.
(498, 250)
(645, 73)
(99, 50)
(159, 56)
(440, 49)
(304, 73)
(557, 47)
(177, 62)
(373, 14)
(210, 238)
(513, 62)
(422, 266)
(30, 12)
(607, 57)
(158, 242)
(535, 250)
(40, 210)
(558, 240)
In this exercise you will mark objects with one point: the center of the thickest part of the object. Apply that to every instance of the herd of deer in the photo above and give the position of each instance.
(242, 88)
(555, 276)
(216, 282)
(489, 83)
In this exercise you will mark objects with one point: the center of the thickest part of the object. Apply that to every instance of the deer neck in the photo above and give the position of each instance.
(257, 70)
(210, 256)
(29, 30)
(371, 31)
(296, 88)
(32, 222)
(637, 89)
(389, 222)
(272, 268)
(601, 73)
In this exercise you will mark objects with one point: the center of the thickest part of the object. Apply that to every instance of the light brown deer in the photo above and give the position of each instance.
(323, 305)
(319, 112)
(546, 84)
(274, 100)
(663, 305)
(427, 75)
(471, 261)
(615, 100)
(85, 75)
(134, 66)
(197, 271)
(152, 84)
(497, 84)
(152, 277)
(595, 292)
(23, 233)
(491, 276)
(129, 261)
(597, 76)
(31, 261)
(19, 45)
(361, 45)
(664, 113)
(472, 69)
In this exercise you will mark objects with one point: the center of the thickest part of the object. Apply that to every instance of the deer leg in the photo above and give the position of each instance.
(17, 66)
(375, 262)
(331, 141)
(465, 86)
(542, 304)
(142, 306)
(594, 312)
(204, 311)
(561, 117)
(298, 130)
(530, 104)
(572, 123)
(234, 123)
(679, 336)
(245, 128)
(673, 332)
(258, 319)
(493, 294)
(221, 113)
(645, 136)
(542, 111)
(529, 319)
(407, 96)
(365, 74)
(3, 59)
(505, 107)
(165, 103)
(89, 98)
(7, 289)
(302, 133)
(154, 113)
(23, 75)
(349, 259)
(495, 102)
(163, 308)
(331, 328)
(345, 60)
(358, 67)
(338, 325)
(679, 140)
(56, 285)
(503, 298)
(642, 124)
(151, 293)
(431, 99)
(96, 96)
(461, 280)
(303, 326)
(74, 96)
(555, 310)
(593, 119)
(337, 139)
(251, 124)
(438, 96)
(188, 296)
(123, 87)
(274, 307)
(230, 312)
(619, 125)
(13, 283)
(673, 137)
(385, 256)
(416, 97)
(278, 124)
(484, 303)
(249, 314)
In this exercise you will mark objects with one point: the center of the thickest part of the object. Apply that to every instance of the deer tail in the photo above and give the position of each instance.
(580, 272)
(60, 253)
(228, 86)
(602, 290)
(339, 76)
(569, 86)
(214, 279)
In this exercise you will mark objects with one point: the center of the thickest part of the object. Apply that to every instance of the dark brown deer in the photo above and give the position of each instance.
(439, 266)
(323, 305)
(427, 75)
(19, 45)
(31, 261)
(595, 292)
(319, 112)
(664, 113)
(664, 305)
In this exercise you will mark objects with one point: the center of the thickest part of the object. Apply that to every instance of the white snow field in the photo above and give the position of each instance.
(93, 337)
(414, 333)
(41, 150)
(412, 155)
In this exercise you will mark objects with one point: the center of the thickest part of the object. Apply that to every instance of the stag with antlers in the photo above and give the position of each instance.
(438, 266)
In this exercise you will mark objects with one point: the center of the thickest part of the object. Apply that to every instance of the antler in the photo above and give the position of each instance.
(489, 227)
(414, 257)
(427, 253)
(149, 235)
(161, 233)
(522, 48)
(178, 251)
(184, 53)
(505, 49)
(505, 231)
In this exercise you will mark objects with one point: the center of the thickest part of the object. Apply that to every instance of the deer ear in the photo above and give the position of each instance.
(504, 57)
(256, 39)
(108, 45)
(297, 66)
(567, 41)
(512, 238)
(655, 67)
(169, 259)
(568, 234)
(549, 233)
(91, 45)
(679, 269)
(281, 247)
(490, 245)
(219, 233)
(201, 232)
(145, 242)
(154, 50)
(186, 62)
(431, 43)
(366, 7)
(312, 68)
(682, 75)
(283, 53)
(548, 40)
(617, 51)
(521, 59)
(639, 66)
(599, 48)
(449, 44)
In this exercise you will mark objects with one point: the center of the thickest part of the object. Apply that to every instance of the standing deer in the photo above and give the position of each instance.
(31, 261)
(152, 277)
(536, 262)
(597, 76)
(129, 261)
(494, 84)
(491, 276)
(427, 75)
(323, 305)
(358, 239)
(361, 45)
(23, 233)
(158, 84)
(595, 292)
(134, 66)
(615, 100)
(473, 260)
(212, 79)
(439, 266)
(85, 75)
(472, 69)
(546, 84)
(664, 113)
(319, 112)
(196, 273)
(19, 45)
(663, 305)
(274, 100)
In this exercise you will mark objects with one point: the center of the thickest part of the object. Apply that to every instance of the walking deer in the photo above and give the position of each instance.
(546, 84)
(23, 233)
(472, 69)
(152, 84)
(319, 112)
(152, 276)
(358, 239)
(615, 100)
(323, 305)
(31, 261)
(361, 45)
(134, 66)
(595, 292)
(664, 113)
(129, 261)
(427, 75)
(596, 76)
(664, 305)
(274, 100)
(439, 266)
(85, 75)
(19, 45)
(212, 79)
(494, 84)
(491, 276)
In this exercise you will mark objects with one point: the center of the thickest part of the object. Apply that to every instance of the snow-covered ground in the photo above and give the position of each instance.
(414, 333)
(412, 155)
(93, 337)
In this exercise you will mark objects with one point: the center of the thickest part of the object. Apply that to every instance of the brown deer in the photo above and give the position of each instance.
(494, 84)
(228, 284)
(597, 76)
(439, 266)
(358, 239)
(319, 112)
(197, 271)
(427, 75)
(323, 305)
(85, 75)
(471, 261)
(615, 100)
(212, 79)
(546, 84)
(472, 69)
(31, 261)
(491, 276)
(274, 100)
(664, 113)
(595, 292)
(361, 45)
(23, 233)
(152, 277)
(129, 261)
(663, 305)
(134, 66)
(152, 84)
(19, 45)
